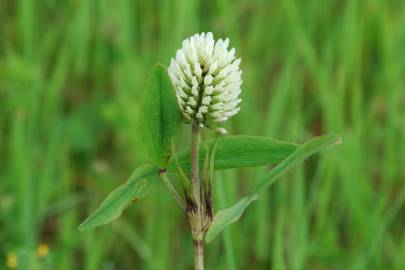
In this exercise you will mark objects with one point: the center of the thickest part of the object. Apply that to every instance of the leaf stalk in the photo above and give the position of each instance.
(172, 189)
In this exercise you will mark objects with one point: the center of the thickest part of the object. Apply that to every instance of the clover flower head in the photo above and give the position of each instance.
(207, 79)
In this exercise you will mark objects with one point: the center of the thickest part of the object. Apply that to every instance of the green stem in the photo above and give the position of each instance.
(172, 190)
(195, 165)
(199, 255)
(197, 223)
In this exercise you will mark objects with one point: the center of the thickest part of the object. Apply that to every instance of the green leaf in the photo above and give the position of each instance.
(133, 189)
(160, 115)
(238, 151)
(227, 216)
(300, 154)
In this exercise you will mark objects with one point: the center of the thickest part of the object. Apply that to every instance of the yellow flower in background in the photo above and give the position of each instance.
(42, 250)
(12, 260)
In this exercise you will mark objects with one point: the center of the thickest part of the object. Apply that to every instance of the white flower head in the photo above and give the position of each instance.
(207, 80)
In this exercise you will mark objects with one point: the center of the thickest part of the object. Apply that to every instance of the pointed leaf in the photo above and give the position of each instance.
(160, 115)
(112, 207)
(300, 154)
(238, 151)
(227, 216)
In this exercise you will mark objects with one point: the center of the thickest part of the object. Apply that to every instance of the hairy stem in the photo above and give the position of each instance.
(196, 218)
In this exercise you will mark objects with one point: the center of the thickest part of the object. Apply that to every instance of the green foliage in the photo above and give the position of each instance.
(134, 189)
(237, 152)
(227, 152)
(227, 216)
(72, 77)
(161, 118)
(300, 154)
(160, 115)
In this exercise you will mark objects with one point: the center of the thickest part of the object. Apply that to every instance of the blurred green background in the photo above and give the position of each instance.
(71, 77)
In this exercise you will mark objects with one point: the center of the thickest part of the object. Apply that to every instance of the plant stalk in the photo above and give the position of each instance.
(196, 216)
(172, 190)
(195, 165)
(199, 254)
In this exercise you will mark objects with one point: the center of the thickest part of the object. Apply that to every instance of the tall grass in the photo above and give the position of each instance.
(72, 74)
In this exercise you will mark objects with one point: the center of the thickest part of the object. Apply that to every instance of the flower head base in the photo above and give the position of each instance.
(207, 80)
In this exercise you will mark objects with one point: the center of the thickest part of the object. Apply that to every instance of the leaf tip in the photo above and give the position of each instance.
(337, 140)
(82, 227)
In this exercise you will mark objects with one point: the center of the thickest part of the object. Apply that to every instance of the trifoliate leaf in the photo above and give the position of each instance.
(227, 216)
